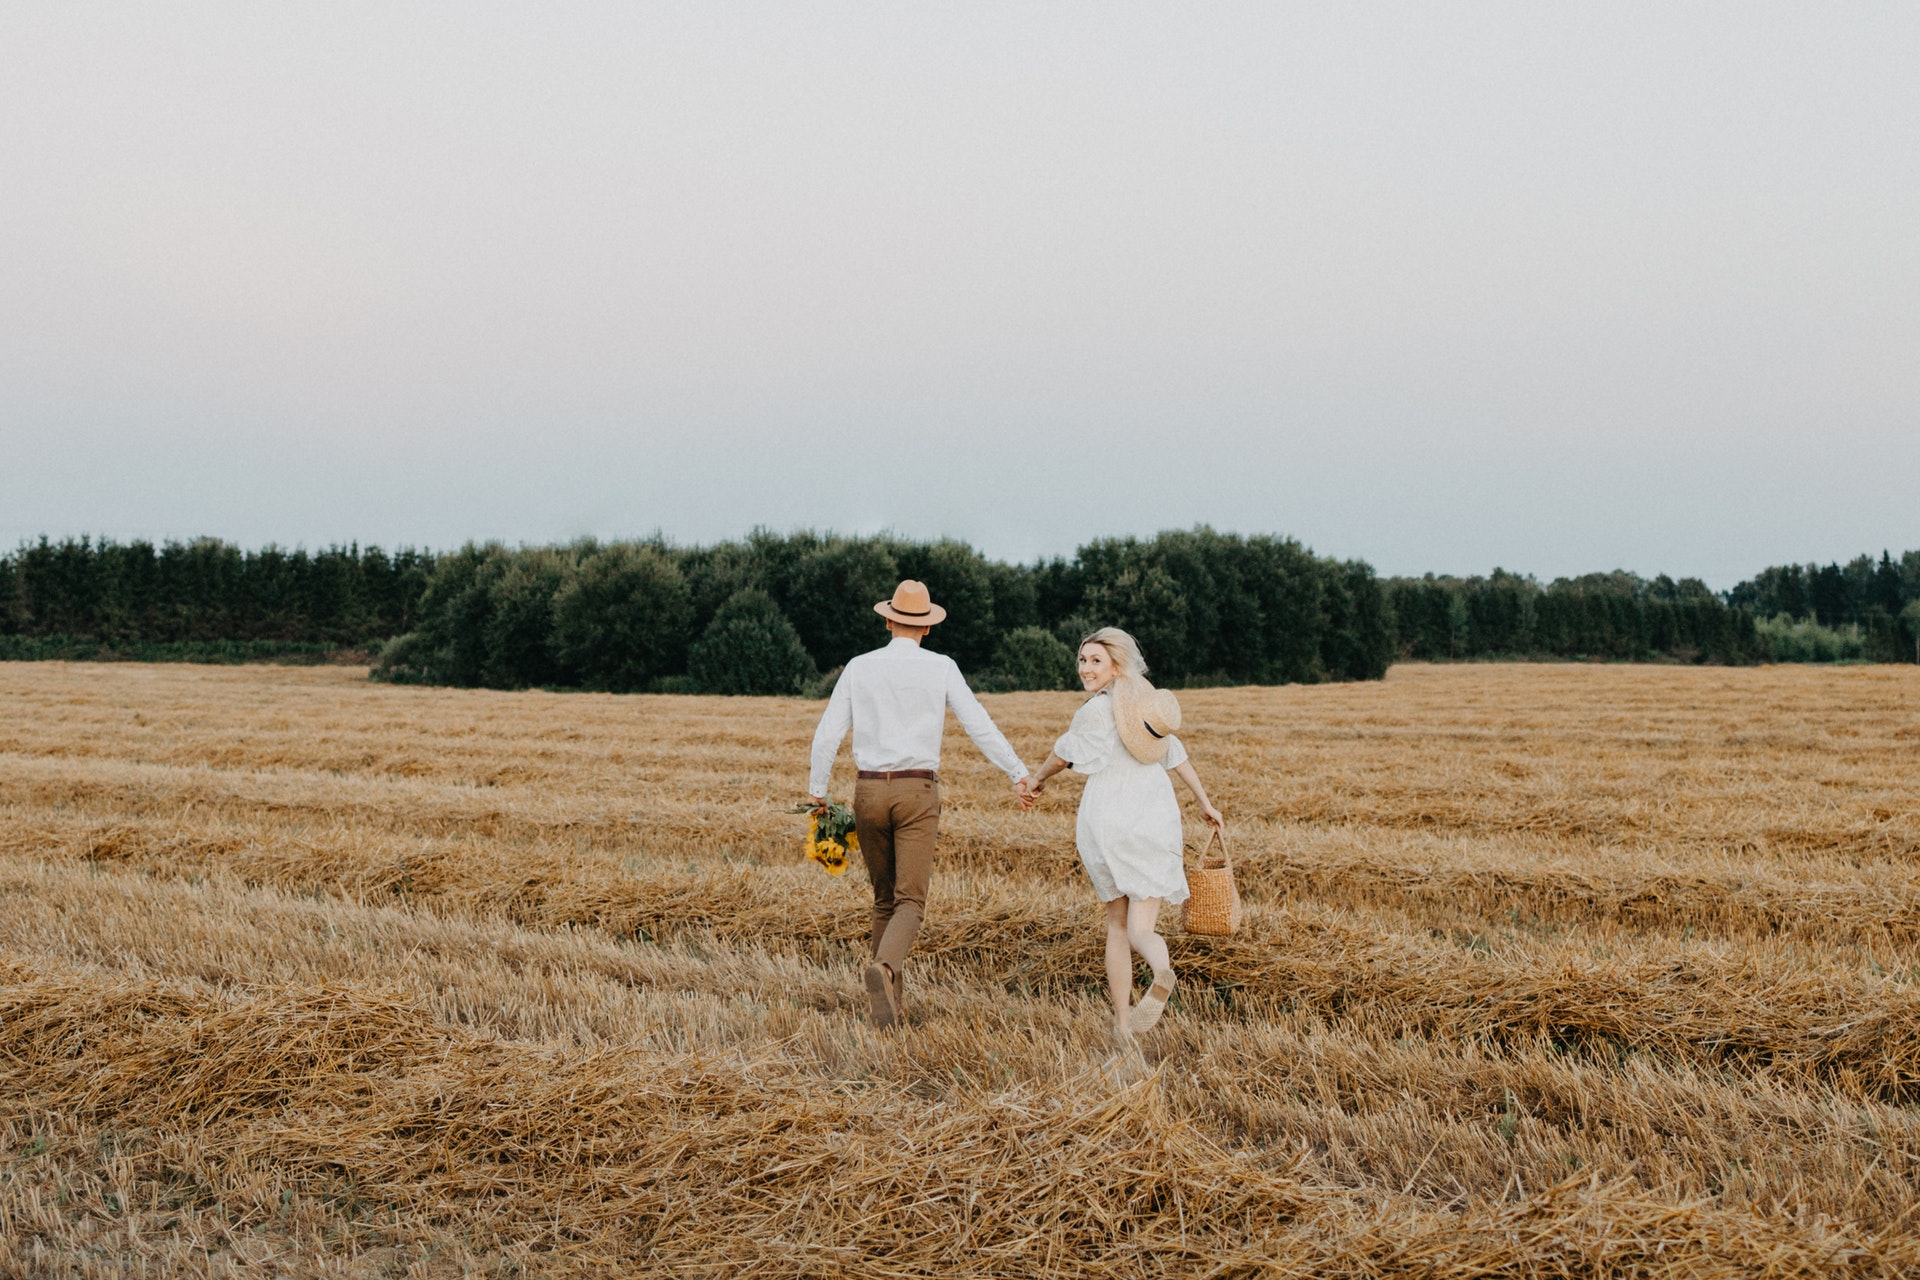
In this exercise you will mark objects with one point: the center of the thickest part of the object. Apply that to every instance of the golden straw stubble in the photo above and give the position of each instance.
(1545, 970)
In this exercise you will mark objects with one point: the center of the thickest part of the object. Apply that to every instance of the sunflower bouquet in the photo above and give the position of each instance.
(830, 835)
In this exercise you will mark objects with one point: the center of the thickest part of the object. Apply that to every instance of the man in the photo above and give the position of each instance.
(895, 699)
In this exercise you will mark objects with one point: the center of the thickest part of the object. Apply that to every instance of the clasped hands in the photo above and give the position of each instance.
(1027, 791)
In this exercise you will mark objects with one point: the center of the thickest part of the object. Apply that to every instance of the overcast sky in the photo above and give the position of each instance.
(1443, 286)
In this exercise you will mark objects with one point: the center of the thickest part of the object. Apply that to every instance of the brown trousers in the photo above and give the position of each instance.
(897, 819)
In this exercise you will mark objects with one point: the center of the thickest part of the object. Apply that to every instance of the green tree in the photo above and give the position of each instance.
(960, 582)
(1885, 593)
(1190, 557)
(750, 648)
(521, 586)
(1828, 596)
(1015, 597)
(11, 613)
(1289, 583)
(449, 646)
(1126, 589)
(1032, 658)
(1420, 609)
(714, 573)
(1359, 642)
(621, 620)
(1059, 593)
(831, 595)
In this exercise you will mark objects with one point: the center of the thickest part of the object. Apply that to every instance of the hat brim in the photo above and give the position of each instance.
(1130, 722)
(933, 614)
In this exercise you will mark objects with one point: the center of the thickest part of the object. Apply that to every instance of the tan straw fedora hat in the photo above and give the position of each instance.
(1144, 717)
(912, 605)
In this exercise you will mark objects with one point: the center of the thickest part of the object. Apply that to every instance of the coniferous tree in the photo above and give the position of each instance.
(1827, 595)
(1885, 593)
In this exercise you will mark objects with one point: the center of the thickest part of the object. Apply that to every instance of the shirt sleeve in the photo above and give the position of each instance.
(980, 727)
(1176, 754)
(1088, 743)
(834, 723)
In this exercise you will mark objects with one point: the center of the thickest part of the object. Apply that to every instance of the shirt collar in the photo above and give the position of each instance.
(897, 641)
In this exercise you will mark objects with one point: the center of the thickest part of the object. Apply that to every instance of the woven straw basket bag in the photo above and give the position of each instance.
(1212, 907)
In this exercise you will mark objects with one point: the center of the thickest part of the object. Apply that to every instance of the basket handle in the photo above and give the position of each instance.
(1226, 851)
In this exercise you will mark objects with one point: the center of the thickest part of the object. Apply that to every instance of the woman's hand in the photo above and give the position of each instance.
(1184, 771)
(1038, 781)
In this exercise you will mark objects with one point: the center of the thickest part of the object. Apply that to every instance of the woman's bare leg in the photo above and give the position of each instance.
(1142, 915)
(1119, 963)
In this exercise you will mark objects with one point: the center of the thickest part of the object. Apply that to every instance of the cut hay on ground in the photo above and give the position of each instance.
(1548, 971)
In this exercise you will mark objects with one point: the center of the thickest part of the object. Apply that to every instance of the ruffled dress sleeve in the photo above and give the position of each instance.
(1090, 740)
(1176, 754)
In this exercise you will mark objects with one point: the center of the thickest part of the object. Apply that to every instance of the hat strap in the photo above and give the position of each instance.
(1149, 729)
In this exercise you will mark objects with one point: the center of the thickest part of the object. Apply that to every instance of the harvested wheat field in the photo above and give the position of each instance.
(1547, 970)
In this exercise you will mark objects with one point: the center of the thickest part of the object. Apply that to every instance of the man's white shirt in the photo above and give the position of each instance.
(895, 700)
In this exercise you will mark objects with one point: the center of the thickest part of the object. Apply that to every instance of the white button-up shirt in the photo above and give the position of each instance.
(895, 699)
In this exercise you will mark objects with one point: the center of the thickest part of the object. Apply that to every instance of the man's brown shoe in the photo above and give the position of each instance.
(880, 991)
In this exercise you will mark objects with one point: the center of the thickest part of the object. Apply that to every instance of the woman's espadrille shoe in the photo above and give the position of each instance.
(1153, 1004)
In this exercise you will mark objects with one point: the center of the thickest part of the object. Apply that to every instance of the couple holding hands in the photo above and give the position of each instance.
(895, 700)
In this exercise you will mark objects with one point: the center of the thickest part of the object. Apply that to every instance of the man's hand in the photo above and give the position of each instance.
(816, 802)
(1024, 792)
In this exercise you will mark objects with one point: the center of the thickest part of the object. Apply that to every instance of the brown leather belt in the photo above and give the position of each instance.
(888, 776)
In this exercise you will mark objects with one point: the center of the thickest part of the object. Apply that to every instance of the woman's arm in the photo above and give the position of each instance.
(1053, 765)
(1184, 771)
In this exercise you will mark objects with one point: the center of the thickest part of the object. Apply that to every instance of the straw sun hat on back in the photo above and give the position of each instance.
(1144, 717)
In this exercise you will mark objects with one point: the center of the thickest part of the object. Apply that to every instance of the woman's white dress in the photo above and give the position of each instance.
(1129, 824)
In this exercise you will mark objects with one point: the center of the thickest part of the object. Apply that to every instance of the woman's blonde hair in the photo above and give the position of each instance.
(1121, 647)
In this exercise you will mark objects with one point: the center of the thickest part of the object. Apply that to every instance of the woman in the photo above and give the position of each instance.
(1129, 824)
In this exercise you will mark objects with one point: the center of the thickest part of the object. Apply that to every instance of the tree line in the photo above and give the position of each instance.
(1869, 610)
(81, 597)
(1834, 595)
(767, 613)
(1617, 616)
(781, 613)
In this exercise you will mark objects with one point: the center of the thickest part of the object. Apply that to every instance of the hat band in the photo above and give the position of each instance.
(911, 613)
(1149, 729)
